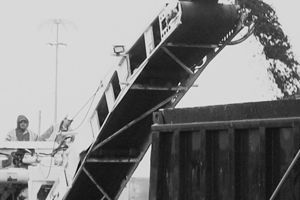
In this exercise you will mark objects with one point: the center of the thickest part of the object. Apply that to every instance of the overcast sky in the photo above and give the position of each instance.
(91, 27)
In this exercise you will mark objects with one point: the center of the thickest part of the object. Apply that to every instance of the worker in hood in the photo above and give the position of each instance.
(21, 133)
(59, 132)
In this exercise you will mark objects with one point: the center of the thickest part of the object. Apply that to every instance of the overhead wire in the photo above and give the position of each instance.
(91, 100)
(82, 107)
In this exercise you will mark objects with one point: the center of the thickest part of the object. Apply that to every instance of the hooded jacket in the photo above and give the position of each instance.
(18, 134)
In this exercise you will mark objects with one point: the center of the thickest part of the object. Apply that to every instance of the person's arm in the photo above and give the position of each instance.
(47, 134)
(9, 137)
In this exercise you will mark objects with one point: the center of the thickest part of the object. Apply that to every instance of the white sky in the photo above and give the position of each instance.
(27, 63)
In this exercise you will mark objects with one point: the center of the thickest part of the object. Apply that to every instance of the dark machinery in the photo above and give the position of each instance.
(155, 73)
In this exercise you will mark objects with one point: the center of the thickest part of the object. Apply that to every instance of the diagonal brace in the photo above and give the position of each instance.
(96, 184)
(134, 121)
(179, 62)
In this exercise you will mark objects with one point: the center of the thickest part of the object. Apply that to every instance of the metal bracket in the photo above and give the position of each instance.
(146, 87)
(116, 160)
(201, 46)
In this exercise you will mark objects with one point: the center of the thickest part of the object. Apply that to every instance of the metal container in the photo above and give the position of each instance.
(237, 151)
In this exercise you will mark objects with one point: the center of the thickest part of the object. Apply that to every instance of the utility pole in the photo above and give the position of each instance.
(57, 23)
(40, 122)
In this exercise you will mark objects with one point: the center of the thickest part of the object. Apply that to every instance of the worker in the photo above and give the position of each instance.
(58, 132)
(21, 133)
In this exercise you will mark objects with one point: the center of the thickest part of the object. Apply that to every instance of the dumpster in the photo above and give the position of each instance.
(236, 151)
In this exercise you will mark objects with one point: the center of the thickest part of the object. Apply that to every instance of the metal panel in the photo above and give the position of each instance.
(237, 157)
(149, 40)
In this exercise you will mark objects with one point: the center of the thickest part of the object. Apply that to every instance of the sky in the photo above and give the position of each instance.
(90, 28)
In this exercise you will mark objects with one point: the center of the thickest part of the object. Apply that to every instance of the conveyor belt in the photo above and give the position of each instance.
(155, 73)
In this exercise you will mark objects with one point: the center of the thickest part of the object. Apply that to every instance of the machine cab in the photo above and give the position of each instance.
(30, 170)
